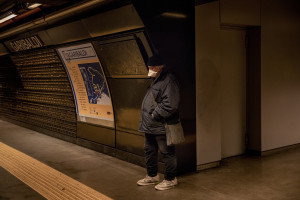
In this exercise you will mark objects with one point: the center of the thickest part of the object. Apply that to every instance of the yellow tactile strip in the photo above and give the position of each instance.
(47, 181)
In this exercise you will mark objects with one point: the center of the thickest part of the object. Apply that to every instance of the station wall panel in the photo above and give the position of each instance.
(123, 60)
(127, 97)
(44, 97)
(95, 133)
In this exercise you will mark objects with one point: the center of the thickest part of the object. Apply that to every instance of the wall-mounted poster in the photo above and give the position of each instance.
(92, 96)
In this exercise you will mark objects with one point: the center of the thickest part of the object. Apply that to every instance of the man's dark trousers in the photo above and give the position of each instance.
(153, 143)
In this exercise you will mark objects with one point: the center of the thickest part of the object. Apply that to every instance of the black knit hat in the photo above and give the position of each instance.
(155, 60)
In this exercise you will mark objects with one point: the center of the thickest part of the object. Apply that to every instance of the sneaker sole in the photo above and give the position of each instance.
(162, 189)
(145, 184)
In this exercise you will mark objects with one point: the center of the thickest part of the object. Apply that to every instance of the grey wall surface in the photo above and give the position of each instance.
(280, 82)
(237, 12)
(233, 92)
(208, 83)
(220, 87)
(275, 72)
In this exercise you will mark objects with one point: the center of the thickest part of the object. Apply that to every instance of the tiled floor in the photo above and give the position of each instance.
(274, 177)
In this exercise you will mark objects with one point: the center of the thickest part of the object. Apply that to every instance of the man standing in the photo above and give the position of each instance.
(165, 91)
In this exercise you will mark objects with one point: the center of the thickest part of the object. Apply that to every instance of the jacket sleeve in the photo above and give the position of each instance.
(170, 101)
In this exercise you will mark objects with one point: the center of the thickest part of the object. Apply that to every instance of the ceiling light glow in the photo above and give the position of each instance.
(7, 16)
(35, 5)
(174, 15)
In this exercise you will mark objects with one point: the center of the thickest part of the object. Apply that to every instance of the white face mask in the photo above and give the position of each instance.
(152, 73)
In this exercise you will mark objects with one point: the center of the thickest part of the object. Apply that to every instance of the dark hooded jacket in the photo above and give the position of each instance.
(165, 90)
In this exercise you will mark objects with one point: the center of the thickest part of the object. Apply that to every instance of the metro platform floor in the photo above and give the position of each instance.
(273, 177)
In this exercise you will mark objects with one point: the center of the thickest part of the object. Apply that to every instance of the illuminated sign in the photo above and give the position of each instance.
(26, 43)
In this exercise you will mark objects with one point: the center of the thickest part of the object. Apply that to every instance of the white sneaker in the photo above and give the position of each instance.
(165, 185)
(148, 180)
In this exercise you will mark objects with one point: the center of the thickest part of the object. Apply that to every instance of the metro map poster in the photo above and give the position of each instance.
(93, 101)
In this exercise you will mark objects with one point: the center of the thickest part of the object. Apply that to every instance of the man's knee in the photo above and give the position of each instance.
(168, 153)
(148, 149)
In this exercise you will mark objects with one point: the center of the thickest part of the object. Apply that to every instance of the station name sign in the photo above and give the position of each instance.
(26, 43)
(79, 53)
